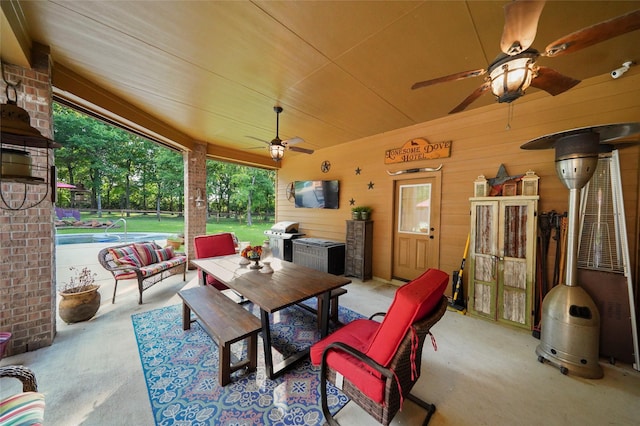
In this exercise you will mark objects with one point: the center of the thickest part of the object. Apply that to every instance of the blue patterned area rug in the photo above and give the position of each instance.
(181, 371)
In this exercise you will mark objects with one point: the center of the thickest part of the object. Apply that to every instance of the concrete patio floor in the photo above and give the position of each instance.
(481, 374)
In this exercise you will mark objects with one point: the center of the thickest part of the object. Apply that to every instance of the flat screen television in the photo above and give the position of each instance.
(317, 194)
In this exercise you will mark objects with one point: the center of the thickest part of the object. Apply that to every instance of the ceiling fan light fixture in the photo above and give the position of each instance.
(511, 76)
(276, 149)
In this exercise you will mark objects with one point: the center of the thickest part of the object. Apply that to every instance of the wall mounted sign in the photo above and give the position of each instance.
(418, 149)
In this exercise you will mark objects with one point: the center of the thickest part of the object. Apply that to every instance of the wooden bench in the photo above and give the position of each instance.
(226, 322)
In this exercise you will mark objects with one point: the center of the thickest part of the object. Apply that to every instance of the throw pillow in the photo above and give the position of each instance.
(164, 254)
(147, 253)
(125, 256)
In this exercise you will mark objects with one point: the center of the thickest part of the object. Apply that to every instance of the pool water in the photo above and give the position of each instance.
(110, 237)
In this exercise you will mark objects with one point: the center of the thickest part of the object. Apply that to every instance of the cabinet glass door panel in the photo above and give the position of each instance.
(515, 231)
(484, 230)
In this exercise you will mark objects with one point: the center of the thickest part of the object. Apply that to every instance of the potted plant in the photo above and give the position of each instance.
(80, 297)
(356, 213)
(176, 241)
(365, 212)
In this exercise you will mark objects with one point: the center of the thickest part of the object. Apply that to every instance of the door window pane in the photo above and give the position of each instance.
(414, 211)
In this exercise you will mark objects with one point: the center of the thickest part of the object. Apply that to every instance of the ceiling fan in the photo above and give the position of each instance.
(514, 70)
(277, 146)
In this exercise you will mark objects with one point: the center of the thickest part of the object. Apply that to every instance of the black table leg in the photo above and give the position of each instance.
(324, 315)
(266, 341)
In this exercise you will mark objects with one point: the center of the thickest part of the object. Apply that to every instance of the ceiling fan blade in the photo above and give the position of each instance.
(552, 82)
(294, 140)
(594, 34)
(520, 25)
(298, 149)
(260, 140)
(452, 77)
(472, 97)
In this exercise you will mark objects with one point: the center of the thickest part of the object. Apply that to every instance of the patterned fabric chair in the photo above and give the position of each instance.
(376, 364)
(26, 408)
(212, 246)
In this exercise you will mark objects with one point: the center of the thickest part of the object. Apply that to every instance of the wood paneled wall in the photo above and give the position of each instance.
(481, 142)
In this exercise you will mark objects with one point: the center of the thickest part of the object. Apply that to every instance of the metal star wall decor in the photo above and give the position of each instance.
(371, 185)
(352, 202)
(358, 170)
(501, 178)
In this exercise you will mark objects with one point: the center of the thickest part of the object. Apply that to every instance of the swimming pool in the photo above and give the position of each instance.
(115, 237)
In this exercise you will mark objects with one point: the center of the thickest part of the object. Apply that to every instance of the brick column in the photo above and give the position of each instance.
(195, 178)
(27, 237)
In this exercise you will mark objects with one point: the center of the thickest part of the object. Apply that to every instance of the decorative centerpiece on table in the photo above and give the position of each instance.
(267, 254)
(252, 254)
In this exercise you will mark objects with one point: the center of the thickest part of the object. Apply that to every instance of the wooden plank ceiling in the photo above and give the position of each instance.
(342, 70)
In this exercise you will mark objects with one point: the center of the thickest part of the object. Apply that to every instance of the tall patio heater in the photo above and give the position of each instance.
(570, 330)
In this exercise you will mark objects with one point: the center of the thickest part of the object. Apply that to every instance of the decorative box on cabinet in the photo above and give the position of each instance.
(359, 250)
(502, 256)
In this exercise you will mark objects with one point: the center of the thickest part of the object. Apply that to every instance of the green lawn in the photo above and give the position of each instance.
(174, 225)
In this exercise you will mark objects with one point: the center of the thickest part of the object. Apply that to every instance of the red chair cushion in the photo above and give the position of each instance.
(412, 302)
(213, 246)
(356, 334)
(215, 283)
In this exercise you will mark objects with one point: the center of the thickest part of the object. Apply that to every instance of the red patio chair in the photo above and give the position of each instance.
(378, 363)
(213, 246)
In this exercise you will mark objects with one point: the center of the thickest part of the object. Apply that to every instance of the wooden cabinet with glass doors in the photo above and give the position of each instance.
(502, 256)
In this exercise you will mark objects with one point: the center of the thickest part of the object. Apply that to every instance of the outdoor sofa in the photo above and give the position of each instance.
(145, 261)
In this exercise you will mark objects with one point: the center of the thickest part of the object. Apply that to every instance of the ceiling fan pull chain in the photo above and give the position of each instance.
(509, 116)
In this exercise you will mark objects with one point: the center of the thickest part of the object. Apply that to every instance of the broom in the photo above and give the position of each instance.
(457, 302)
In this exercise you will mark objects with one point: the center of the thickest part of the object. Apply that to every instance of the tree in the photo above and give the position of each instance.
(253, 190)
(124, 170)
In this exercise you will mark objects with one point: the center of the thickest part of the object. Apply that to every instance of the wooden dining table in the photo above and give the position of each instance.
(287, 285)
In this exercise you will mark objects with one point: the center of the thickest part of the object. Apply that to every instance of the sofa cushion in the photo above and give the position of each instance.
(125, 256)
(146, 253)
(412, 302)
(23, 409)
(155, 268)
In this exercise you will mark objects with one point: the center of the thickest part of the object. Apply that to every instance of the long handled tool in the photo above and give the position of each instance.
(457, 302)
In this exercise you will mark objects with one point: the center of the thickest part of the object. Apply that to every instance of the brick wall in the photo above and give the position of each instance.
(27, 266)
(195, 177)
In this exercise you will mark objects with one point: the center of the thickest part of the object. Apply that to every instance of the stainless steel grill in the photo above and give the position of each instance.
(280, 239)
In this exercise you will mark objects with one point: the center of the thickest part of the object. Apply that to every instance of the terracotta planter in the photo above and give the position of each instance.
(82, 306)
(175, 244)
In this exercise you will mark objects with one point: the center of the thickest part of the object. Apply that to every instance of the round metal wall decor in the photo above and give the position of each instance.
(291, 191)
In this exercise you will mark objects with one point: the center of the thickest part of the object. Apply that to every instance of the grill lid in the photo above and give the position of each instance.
(286, 227)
